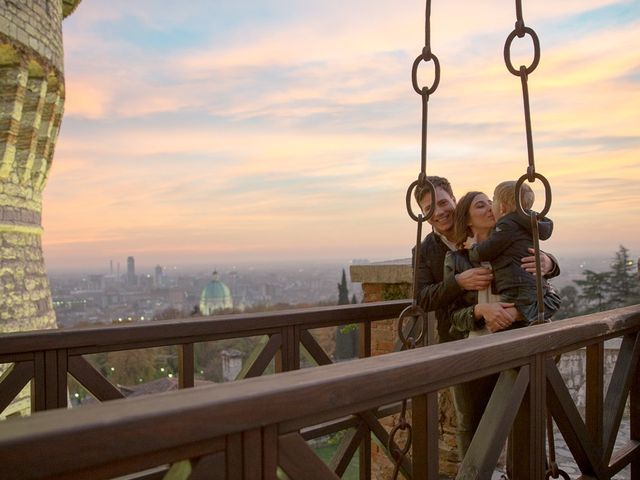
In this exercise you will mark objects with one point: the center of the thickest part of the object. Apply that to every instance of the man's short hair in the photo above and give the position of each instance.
(440, 182)
(505, 193)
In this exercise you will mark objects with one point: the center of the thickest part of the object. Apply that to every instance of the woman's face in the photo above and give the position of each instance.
(480, 213)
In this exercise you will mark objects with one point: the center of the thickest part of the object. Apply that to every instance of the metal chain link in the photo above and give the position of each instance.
(520, 30)
(423, 186)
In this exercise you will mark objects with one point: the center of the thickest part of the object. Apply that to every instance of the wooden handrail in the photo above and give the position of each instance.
(191, 423)
(188, 330)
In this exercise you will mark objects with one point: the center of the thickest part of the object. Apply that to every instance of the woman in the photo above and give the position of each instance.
(473, 218)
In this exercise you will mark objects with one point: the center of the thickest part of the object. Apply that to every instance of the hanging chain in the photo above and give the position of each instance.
(422, 186)
(523, 72)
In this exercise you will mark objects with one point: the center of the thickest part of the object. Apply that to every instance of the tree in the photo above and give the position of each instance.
(347, 336)
(595, 289)
(571, 304)
(354, 300)
(623, 284)
(343, 290)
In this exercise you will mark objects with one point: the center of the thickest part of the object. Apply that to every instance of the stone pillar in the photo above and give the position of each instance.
(31, 104)
(392, 280)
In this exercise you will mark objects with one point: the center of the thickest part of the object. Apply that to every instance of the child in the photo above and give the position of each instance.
(508, 242)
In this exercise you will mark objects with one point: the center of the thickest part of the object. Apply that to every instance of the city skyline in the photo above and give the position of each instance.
(290, 131)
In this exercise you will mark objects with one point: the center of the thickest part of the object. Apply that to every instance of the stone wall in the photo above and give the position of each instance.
(31, 105)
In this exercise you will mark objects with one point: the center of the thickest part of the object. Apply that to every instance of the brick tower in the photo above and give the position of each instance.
(31, 105)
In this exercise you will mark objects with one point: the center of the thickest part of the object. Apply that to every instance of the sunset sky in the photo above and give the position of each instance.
(220, 132)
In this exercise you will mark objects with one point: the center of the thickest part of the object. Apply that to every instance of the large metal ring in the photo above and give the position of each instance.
(432, 191)
(547, 195)
(416, 312)
(414, 74)
(561, 473)
(536, 52)
(402, 452)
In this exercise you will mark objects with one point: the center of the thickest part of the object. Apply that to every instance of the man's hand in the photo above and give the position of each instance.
(477, 278)
(496, 315)
(529, 263)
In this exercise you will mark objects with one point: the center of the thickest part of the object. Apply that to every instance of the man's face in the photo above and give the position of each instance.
(442, 218)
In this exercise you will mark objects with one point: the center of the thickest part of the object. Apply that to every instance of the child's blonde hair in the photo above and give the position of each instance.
(505, 193)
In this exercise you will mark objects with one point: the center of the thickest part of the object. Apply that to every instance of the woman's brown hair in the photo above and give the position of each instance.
(461, 229)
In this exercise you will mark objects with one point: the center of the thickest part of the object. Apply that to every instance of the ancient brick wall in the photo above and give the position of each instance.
(31, 104)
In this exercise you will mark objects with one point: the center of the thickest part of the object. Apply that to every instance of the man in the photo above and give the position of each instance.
(436, 294)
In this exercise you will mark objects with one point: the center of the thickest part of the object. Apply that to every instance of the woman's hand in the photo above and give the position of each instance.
(496, 315)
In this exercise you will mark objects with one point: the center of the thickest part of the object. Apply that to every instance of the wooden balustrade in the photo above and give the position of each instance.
(253, 428)
(46, 357)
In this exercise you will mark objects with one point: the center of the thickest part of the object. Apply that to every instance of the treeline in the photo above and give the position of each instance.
(599, 291)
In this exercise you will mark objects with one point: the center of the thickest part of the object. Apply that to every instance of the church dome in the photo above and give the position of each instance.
(215, 297)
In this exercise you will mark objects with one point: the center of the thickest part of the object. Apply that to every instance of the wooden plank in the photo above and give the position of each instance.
(619, 386)
(634, 420)
(625, 455)
(234, 458)
(62, 383)
(267, 354)
(347, 448)
(194, 330)
(13, 380)
(51, 379)
(186, 366)
(383, 436)
(38, 386)
(209, 467)
(433, 434)
(270, 452)
(351, 421)
(252, 454)
(494, 426)
(298, 460)
(565, 413)
(295, 343)
(364, 472)
(92, 380)
(419, 441)
(316, 351)
(364, 339)
(594, 404)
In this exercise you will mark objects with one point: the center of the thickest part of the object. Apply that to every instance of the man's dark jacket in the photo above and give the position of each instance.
(434, 292)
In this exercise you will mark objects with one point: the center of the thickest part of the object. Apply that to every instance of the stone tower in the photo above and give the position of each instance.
(31, 104)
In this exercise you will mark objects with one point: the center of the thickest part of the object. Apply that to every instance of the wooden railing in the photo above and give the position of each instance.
(253, 428)
(46, 357)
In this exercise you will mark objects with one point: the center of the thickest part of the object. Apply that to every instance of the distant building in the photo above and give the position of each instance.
(158, 273)
(131, 271)
(215, 297)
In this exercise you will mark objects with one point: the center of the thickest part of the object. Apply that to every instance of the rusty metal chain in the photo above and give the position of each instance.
(423, 186)
(520, 30)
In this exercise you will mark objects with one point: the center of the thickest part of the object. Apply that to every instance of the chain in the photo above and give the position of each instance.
(422, 186)
(520, 30)
(523, 72)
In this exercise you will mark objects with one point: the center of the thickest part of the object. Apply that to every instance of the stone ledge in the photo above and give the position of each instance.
(391, 271)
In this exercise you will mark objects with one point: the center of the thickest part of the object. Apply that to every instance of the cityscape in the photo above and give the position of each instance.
(116, 296)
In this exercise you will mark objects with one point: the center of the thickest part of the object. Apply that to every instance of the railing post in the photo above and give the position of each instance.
(634, 434)
(49, 386)
(594, 393)
(289, 357)
(364, 452)
(424, 444)
(187, 366)
(526, 446)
